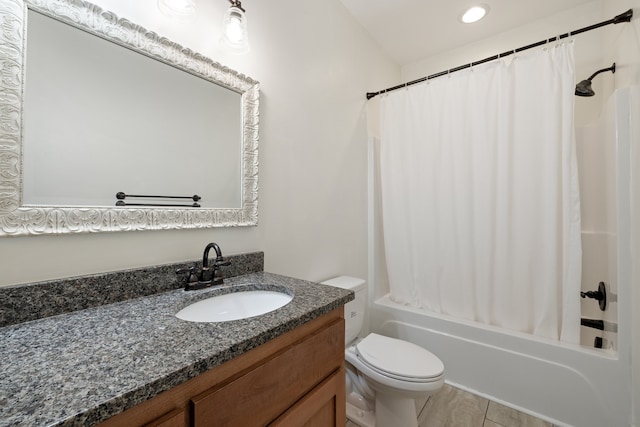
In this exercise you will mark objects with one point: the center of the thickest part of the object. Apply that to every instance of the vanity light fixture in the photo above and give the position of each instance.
(234, 33)
(474, 14)
(181, 9)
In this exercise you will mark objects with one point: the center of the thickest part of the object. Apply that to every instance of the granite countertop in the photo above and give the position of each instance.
(83, 367)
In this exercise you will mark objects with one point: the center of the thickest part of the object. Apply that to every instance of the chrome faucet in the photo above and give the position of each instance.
(206, 276)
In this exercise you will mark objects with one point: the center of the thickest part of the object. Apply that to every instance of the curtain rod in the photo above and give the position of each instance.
(623, 17)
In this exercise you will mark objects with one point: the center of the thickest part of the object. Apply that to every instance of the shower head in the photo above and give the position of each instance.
(584, 87)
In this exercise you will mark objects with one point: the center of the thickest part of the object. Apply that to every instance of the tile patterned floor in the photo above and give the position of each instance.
(452, 407)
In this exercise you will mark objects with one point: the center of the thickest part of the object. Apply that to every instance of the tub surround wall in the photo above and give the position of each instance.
(623, 46)
(597, 165)
(43, 299)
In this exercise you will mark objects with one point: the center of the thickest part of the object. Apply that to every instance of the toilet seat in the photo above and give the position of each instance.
(399, 359)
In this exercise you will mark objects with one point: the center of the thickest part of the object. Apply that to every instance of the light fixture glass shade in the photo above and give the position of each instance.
(181, 9)
(234, 30)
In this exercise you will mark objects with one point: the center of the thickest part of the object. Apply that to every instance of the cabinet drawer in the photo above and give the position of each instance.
(263, 393)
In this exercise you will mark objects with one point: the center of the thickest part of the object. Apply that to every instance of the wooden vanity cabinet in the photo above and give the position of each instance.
(296, 379)
(320, 407)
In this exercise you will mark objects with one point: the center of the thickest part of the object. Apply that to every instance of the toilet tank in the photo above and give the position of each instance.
(354, 310)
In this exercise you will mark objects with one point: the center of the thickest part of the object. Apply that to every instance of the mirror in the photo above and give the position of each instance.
(123, 122)
(67, 148)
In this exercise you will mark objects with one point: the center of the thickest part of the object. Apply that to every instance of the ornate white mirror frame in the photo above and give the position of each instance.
(19, 220)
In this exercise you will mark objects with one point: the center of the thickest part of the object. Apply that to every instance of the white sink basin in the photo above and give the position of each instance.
(234, 306)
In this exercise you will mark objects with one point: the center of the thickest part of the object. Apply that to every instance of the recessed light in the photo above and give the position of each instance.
(474, 14)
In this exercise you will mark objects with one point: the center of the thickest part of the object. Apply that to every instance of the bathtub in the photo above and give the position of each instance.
(567, 385)
(563, 384)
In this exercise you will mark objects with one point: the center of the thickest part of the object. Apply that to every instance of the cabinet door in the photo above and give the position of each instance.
(268, 390)
(324, 406)
(174, 418)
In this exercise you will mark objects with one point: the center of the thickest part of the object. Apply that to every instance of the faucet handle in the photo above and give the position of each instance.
(221, 262)
(193, 275)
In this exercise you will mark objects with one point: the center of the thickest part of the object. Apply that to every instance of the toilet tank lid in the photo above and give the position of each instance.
(346, 282)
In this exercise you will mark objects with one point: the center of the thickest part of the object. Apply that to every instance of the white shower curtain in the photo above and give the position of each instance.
(480, 202)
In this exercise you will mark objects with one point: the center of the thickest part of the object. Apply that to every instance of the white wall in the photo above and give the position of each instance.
(315, 64)
(588, 51)
(622, 43)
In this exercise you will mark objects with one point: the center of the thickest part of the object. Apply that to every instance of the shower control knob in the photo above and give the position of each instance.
(600, 295)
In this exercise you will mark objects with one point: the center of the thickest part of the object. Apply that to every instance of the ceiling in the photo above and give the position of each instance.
(411, 30)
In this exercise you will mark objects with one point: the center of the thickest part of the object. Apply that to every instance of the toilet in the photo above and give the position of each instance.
(384, 375)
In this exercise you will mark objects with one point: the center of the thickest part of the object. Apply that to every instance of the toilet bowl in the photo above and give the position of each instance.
(384, 375)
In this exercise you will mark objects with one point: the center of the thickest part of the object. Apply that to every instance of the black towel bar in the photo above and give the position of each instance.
(121, 196)
(193, 205)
